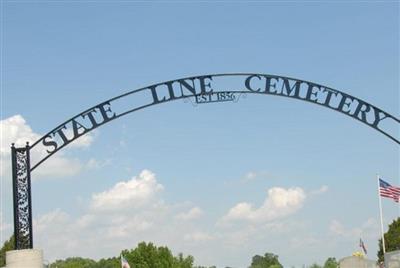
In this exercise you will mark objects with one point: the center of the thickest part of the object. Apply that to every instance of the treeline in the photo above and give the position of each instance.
(270, 260)
(145, 255)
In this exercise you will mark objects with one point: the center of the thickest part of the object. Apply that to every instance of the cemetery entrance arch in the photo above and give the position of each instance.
(197, 89)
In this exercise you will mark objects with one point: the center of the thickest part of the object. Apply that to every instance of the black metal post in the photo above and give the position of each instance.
(28, 163)
(22, 197)
(15, 191)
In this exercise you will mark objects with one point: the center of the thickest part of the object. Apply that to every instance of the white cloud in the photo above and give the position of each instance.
(198, 237)
(15, 129)
(253, 175)
(83, 141)
(280, 202)
(321, 190)
(117, 218)
(192, 214)
(133, 193)
(58, 166)
(113, 220)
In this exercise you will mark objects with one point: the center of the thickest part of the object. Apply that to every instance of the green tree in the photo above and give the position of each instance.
(74, 262)
(8, 245)
(275, 266)
(392, 239)
(331, 263)
(183, 262)
(147, 255)
(315, 266)
(269, 260)
(108, 263)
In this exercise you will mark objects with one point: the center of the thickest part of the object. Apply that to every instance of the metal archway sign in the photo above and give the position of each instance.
(198, 89)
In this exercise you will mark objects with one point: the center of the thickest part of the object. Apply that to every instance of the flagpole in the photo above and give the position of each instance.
(399, 201)
(380, 209)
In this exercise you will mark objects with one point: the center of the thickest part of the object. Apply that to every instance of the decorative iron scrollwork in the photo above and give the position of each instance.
(22, 198)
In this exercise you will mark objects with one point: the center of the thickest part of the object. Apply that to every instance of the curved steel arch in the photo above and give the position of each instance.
(203, 89)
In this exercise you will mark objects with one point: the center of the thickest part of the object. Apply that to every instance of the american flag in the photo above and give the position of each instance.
(389, 191)
(362, 245)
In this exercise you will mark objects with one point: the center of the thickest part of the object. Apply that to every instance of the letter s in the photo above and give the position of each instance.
(49, 143)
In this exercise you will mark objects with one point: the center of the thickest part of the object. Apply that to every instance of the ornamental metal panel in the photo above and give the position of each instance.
(22, 197)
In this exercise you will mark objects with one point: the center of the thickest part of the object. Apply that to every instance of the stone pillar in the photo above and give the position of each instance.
(24, 258)
(356, 262)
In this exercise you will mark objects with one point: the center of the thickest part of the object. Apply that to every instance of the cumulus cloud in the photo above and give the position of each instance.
(192, 214)
(59, 166)
(119, 217)
(83, 141)
(279, 202)
(133, 193)
(15, 129)
(133, 210)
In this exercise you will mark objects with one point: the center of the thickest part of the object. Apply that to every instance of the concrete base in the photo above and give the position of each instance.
(392, 259)
(24, 258)
(356, 262)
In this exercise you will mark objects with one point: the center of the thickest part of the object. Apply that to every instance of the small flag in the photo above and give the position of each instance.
(124, 262)
(389, 191)
(363, 246)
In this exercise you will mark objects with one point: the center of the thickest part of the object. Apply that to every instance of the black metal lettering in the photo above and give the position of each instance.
(47, 143)
(287, 90)
(204, 85)
(345, 103)
(361, 111)
(329, 94)
(379, 116)
(170, 90)
(155, 96)
(104, 109)
(91, 117)
(60, 132)
(248, 81)
(76, 126)
(190, 88)
(311, 94)
(269, 86)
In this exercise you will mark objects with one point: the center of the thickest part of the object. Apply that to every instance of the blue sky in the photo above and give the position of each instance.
(182, 172)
